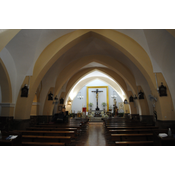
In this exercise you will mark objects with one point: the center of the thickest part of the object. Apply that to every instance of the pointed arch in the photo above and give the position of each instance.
(5, 84)
(57, 48)
(79, 75)
(7, 107)
(108, 61)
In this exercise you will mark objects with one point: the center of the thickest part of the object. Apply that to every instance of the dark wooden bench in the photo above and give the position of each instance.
(57, 126)
(132, 127)
(9, 143)
(134, 143)
(125, 124)
(163, 141)
(132, 137)
(129, 131)
(42, 144)
(33, 138)
(52, 129)
(48, 133)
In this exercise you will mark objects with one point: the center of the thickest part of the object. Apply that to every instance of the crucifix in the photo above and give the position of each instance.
(97, 91)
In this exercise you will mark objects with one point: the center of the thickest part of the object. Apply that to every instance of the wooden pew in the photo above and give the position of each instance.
(134, 143)
(163, 141)
(42, 144)
(52, 129)
(35, 138)
(126, 124)
(129, 131)
(37, 135)
(48, 133)
(79, 128)
(71, 122)
(132, 137)
(4, 142)
(132, 127)
(57, 126)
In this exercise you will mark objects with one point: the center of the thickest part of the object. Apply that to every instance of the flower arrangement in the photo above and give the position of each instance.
(104, 104)
(90, 104)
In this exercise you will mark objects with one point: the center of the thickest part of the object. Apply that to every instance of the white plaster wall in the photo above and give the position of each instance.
(139, 36)
(21, 53)
(140, 81)
(46, 37)
(97, 82)
(46, 85)
(162, 44)
(43, 98)
(77, 104)
(11, 68)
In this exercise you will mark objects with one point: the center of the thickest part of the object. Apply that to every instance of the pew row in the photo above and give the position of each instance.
(132, 127)
(131, 131)
(132, 137)
(42, 144)
(33, 138)
(48, 133)
(52, 129)
(134, 143)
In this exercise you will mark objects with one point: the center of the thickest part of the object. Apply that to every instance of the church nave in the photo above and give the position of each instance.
(51, 75)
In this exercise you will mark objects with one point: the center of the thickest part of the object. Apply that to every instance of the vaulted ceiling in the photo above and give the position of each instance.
(22, 48)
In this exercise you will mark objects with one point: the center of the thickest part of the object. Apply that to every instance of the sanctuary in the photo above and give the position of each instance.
(100, 95)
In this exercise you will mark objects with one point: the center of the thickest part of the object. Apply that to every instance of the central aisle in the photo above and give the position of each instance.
(94, 135)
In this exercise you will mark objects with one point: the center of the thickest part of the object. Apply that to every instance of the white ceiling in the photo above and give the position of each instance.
(93, 64)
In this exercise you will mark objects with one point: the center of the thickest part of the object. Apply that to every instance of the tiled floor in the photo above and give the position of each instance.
(94, 136)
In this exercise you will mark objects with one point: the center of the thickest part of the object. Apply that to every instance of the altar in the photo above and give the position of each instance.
(97, 113)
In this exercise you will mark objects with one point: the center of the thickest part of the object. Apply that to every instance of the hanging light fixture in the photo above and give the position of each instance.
(114, 95)
(79, 96)
(69, 102)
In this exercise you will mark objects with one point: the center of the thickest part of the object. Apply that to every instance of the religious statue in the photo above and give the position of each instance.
(131, 99)
(125, 101)
(24, 91)
(162, 90)
(61, 101)
(97, 96)
(116, 111)
(97, 91)
(141, 95)
(50, 96)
